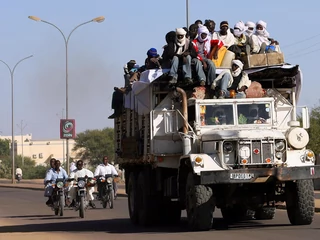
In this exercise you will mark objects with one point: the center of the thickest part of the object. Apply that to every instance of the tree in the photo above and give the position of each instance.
(4, 147)
(314, 130)
(92, 145)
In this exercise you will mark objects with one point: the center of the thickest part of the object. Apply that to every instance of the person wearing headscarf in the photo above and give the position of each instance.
(237, 80)
(260, 41)
(203, 46)
(153, 59)
(224, 35)
(250, 28)
(241, 40)
(182, 52)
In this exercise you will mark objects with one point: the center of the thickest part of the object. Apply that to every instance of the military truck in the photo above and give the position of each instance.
(244, 156)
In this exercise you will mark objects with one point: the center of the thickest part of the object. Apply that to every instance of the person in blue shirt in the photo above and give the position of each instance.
(51, 177)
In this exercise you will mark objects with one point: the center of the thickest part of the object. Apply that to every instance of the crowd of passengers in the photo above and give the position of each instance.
(197, 47)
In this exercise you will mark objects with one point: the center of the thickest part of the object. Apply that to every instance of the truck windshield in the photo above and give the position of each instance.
(216, 115)
(257, 113)
(237, 113)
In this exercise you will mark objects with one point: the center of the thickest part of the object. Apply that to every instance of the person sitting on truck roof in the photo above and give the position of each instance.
(168, 49)
(211, 25)
(224, 34)
(260, 41)
(241, 45)
(153, 59)
(250, 28)
(198, 22)
(193, 31)
(204, 45)
(182, 53)
(237, 81)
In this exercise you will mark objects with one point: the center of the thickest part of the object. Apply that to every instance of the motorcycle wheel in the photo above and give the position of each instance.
(81, 208)
(61, 205)
(111, 199)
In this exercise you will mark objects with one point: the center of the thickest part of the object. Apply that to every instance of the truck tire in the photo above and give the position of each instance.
(170, 212)
(234, 214)
(147, 202)
(265, 213)
(132, 199)
(199, 205)
(300, 202)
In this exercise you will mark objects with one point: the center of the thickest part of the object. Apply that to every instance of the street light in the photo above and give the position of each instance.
(63, 152)
(187, 12)
(12, 119)
(66, 41)
(22, 127)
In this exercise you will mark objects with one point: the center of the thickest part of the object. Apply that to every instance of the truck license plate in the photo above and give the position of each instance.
(241, 176)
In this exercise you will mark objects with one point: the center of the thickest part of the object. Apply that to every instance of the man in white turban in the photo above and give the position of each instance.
(260, 41)
(237, 81)
(250, 28)
(182, 52)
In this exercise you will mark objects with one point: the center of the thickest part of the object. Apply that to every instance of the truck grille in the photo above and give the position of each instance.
(261, 152)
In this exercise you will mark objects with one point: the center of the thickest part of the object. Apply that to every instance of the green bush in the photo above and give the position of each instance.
(29, 168)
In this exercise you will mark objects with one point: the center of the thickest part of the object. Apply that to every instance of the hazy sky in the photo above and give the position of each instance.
(97, 52)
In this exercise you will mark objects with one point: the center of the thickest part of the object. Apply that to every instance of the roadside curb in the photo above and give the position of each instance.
(42, 189)
(283, 207)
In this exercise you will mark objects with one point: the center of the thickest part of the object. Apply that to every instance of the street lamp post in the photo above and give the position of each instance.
(187, 13)
(22, 127)
(63, 149)
(66, 41)
(12, 118)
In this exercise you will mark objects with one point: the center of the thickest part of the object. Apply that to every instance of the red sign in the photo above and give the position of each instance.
(67, 128)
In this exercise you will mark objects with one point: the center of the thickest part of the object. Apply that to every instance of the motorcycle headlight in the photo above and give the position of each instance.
(109, 180)
(59, 184)
(280, 145)
(228, 147)
(81, 183)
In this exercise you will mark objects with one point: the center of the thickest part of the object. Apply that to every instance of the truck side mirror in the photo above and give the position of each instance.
(305, 118)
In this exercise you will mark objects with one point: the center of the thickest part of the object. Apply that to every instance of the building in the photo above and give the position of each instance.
(42, 150)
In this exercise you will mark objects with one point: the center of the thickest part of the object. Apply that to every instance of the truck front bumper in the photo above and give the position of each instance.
(260, 175)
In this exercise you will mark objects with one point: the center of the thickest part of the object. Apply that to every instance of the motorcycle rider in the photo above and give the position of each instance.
(80, 172)
(18, 172)
(102, 170)
(51, 177)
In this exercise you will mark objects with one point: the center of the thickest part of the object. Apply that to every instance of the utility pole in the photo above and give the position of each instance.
(63, 144)
(22, 127)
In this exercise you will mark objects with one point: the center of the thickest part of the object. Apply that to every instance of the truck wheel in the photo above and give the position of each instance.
(132, 199)
(300, 202)
(199, 205)
(265, 213)
(147, 202)
(170, 212)
(235, 213)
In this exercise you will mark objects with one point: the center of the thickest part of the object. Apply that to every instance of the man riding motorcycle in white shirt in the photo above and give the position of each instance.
(103, 169)
(78, 173)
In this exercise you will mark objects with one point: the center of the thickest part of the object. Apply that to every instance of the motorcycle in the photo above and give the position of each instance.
(18, 177)
(107, 191)
(81, 200)
(58, 196)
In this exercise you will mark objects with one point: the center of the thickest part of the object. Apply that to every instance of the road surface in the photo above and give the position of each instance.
(23, 215)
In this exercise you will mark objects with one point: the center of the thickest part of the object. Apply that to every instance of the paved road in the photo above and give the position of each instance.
(23, 215)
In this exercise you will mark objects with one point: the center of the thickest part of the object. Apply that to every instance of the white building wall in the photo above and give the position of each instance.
(41, 150)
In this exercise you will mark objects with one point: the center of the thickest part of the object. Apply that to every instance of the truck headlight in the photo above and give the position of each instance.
(280, 145)
(228, 147)
(198, 161)
(309, 156)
